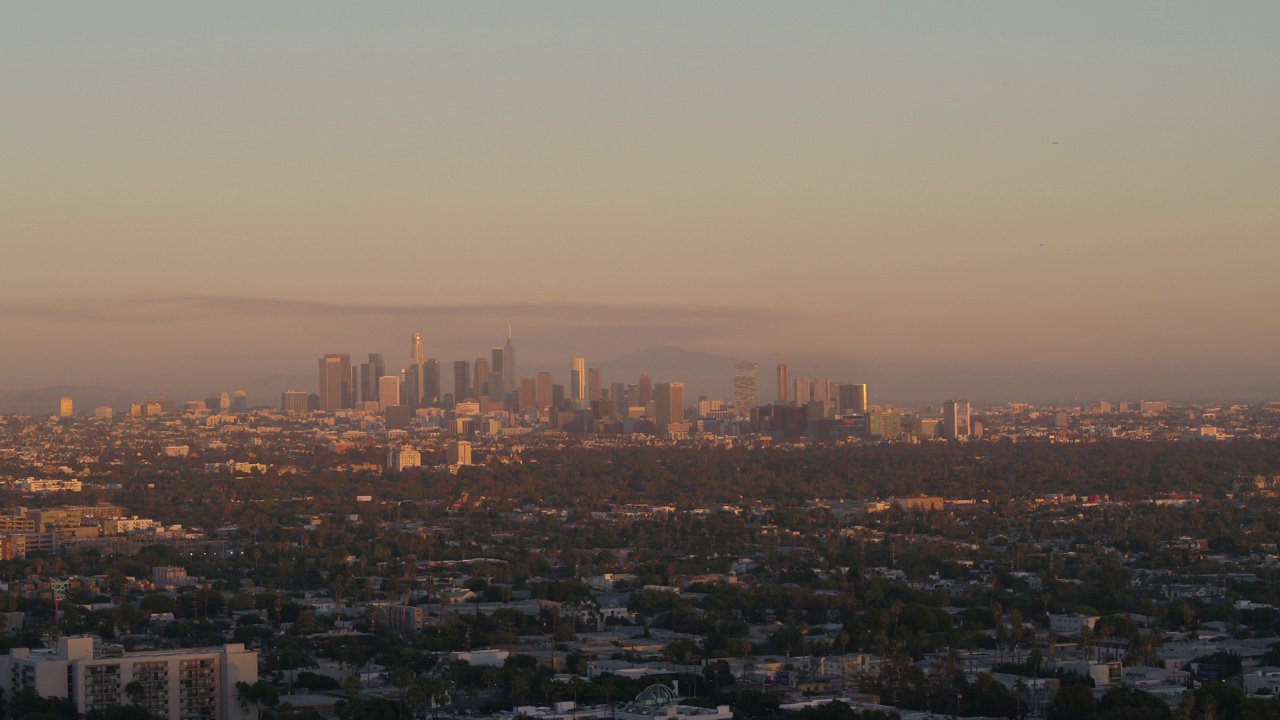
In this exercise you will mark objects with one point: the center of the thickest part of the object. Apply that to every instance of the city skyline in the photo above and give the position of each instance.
(909, 385)
(1058, 202)
(876, 359)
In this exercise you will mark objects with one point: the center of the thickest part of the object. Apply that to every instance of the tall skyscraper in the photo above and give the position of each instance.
(646, 390)
(528, 394)
(784, 384)
(853, 398)
(368, 383)
(461, 380)
(431, 391)
(389, 391)
(746, 386)
(593, 384)
(416, 355)
(417, 358)
(804, 391)
(335, 382)
(66, 407)
(411, 390)
(618, 394)
(822, 389)
(509, 363)
(481, 377)
(544, 391)
(498, 374)
(578, 380)
(377, 368)
(955, 419)
(668, 404)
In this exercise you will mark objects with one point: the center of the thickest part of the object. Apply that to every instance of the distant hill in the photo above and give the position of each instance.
(701, 373)
(266, 390)
(45, 401)
(712, 375)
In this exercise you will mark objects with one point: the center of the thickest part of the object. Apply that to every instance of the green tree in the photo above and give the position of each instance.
(1073, 702)
(119, 712)
(26, 705)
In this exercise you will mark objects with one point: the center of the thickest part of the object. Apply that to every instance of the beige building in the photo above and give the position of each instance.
(183, 684)
(578, 381)
(919, 502)
(460, 452)
(388, 391)
(403, 456)
(170, 576)
(66, 408)
(669, 399)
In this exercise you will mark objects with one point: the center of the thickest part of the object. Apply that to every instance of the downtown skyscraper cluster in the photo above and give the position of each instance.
(418, 384)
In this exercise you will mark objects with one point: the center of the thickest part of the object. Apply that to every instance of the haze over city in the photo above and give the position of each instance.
(1005, 201)
(572, 360)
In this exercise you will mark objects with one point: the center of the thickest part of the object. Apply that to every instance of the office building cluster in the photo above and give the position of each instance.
(487, 396)
(371, 386)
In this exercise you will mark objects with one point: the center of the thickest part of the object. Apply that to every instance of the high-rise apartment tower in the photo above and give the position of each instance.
(335, 382)
(578, 379)
(746, 386)
(955, 419)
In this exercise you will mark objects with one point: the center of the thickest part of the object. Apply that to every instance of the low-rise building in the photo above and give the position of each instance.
(169, 576)
(1102, 673)
(1071, 624)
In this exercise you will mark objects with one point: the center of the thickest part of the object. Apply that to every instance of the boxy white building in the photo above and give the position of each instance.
(183, 684)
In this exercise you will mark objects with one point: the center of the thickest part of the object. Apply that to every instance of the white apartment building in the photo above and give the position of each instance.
(169, 576)
(403, 456)
(183, 684)
(1072, 624)
(33, 485)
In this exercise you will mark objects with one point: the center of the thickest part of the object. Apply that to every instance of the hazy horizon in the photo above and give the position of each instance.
(946, 199)
(547, 337)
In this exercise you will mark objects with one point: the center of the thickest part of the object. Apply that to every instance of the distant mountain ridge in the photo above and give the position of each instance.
(712, 375)
(45, 401)
(702, 373)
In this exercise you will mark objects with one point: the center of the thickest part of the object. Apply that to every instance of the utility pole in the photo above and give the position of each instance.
(59, 588)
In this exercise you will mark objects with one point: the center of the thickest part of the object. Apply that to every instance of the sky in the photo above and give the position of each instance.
(970, 190)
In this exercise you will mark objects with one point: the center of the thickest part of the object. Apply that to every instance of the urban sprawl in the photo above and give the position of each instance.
(514, 547)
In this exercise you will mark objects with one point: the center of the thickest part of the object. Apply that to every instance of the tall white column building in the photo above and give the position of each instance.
(389, 391)
(746, 386)
(955, 419)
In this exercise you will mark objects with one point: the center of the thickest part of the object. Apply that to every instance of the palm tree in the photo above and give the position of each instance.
(401, 678)
(419, 693)
(576, 684)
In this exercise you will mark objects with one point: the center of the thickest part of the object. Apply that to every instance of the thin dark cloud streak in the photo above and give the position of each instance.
(159, 308)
